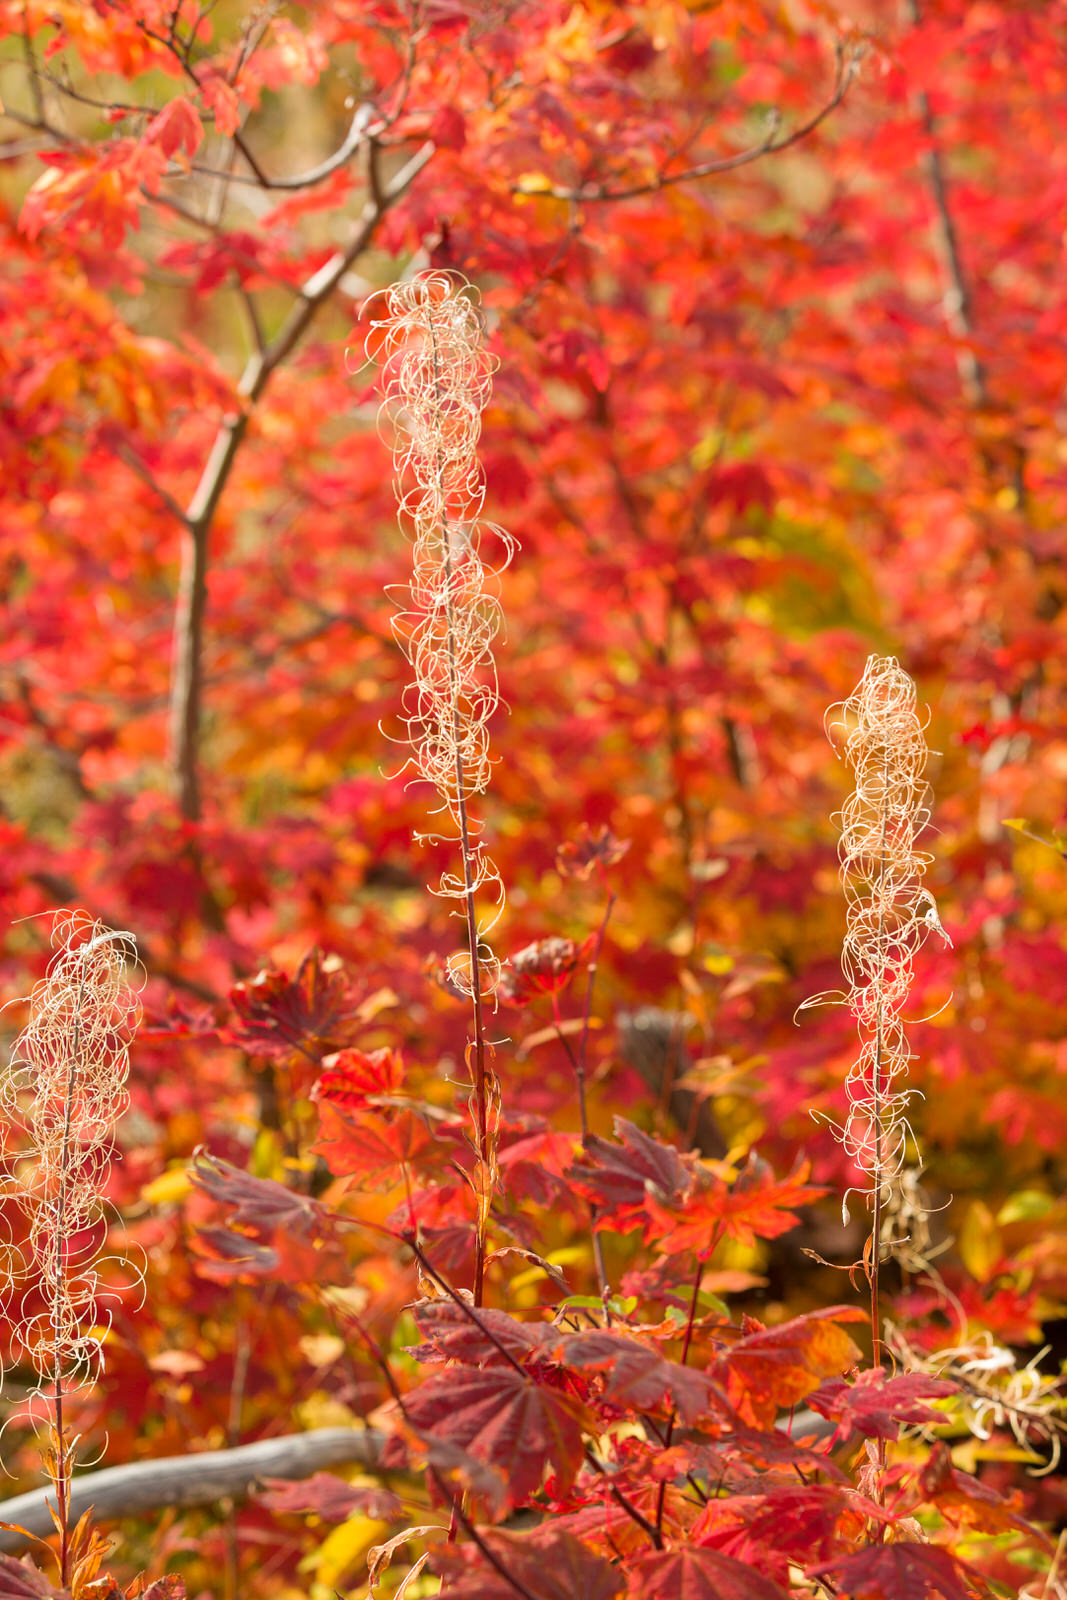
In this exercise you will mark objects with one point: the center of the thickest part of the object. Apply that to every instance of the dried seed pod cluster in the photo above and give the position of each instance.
(437, 377)
(60, 1100)
(890, 911)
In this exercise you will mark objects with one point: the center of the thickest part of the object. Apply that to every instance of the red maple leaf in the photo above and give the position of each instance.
(485, 1338)
(544, 967)
(903, 1571)
(21, 1580)
(774, 1368)
(370, 1147)
(696, 1574)
(875, 1405)
(616, 1177)
(309, 1015)
(499, 1416)
(578, 858)
(964, 1500)
(639, 1378)
(755, 1206)
(329, 1497)
(259, 1203)
(351, 1078)
(550, 1563)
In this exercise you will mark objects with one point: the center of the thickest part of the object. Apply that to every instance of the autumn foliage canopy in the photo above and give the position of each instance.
(454, 454)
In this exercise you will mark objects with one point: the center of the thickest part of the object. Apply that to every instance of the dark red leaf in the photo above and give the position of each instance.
(639, 1378)
(903, 1571)
(695, 1574)
(503, 1419)
(544, 967)
(259, 1204)
(330, 1498)
(876, 1405)
(578, 858)
(452, 1335)
(616, 1177)
(22, 1580)
(550, 1563)
(308, 1016)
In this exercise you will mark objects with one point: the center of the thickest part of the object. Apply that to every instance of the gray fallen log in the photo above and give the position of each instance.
(210, 1475)
(193, 1480)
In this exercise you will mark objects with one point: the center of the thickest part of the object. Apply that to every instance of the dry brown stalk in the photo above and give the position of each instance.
(61, 1098)
(436, 376)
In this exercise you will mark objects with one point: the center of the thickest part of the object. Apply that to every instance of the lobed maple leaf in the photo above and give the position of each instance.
(307, 1016)
(784, 1524)
(965, 1500)
(23, 1580)
(639, 1378)
(482, 1339)
(502, 1418)
(903, 1571)
(697, 1574)
(875, 1405)
(578, 858)
(550, 1563)
(371, 1146)
(351, 1078)
(329, 1497)
(259, 1203)
(755, 1206)
(272, 1231)
(542, 968)
(769, 1369)
(617, 1177)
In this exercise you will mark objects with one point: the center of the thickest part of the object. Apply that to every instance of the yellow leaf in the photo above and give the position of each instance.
(168, 1188)
(534, 183)
(342, 1548)
(979, 1242)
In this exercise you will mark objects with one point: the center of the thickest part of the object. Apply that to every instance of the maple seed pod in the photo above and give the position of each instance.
(890, 912)
(61, 1098)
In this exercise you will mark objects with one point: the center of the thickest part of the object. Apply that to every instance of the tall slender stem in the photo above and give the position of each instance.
(58, 1293)
(470, 912)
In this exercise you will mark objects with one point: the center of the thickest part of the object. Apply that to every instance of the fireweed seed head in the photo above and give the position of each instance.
(890, 912)
(428, 335)
(60, 1100)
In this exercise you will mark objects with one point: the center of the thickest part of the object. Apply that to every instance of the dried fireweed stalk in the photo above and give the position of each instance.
(889, 915)
(889, 911)
(436, 376)
(60, 1100)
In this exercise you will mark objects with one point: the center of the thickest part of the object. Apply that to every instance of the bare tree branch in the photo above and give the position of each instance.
(847, 67)
(187, 670)
(957, 299)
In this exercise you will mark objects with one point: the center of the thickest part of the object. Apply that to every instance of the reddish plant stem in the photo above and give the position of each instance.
(686, 1342)
(468, 1311)
(63, 1462)
(494, 1561)
(626, 1505)
(480, 1075)
(874, 1271)
(579, 1071)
